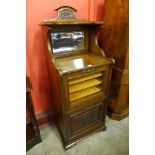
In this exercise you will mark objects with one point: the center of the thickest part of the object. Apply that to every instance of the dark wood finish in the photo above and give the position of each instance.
(114, 42)
(79, 80)
(32, 129)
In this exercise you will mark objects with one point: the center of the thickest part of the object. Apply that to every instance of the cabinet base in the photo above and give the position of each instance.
(73, 143)
(118, 117)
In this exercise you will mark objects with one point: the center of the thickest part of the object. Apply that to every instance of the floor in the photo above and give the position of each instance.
(114, 141)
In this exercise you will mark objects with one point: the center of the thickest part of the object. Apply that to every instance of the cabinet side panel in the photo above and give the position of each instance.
(54, 80)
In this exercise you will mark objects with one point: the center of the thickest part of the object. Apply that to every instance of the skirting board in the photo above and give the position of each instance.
(44, 117)
(118, 117)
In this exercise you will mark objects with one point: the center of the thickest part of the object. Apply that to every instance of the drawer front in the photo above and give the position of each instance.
(85, 120)
(92, 99)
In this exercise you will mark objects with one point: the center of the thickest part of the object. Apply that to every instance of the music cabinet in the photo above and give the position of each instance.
(79, 73)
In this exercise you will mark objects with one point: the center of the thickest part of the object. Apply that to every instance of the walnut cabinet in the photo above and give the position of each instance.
(80, 75)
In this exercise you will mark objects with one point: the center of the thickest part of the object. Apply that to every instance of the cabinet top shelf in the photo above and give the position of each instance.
(74, 63)
(50, 22)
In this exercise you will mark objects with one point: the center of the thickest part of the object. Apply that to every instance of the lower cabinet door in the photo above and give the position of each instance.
(89, 120)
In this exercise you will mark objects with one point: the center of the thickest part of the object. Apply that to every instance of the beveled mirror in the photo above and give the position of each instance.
(67, 41)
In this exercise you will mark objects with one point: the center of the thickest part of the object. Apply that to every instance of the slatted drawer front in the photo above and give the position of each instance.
(85, 86)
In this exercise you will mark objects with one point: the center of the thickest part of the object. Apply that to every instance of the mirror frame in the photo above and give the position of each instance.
(68, 29)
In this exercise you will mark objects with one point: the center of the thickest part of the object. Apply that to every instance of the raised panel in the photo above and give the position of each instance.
(86, 119)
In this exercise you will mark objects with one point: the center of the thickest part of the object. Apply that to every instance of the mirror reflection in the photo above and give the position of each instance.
(67, 41)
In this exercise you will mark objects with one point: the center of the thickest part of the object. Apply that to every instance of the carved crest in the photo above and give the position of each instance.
(65, 12)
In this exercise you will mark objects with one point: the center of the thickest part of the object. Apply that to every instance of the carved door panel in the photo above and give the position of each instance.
(89, 117)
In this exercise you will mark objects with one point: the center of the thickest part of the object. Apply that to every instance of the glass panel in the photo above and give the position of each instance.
(85, 86)
(67, 41)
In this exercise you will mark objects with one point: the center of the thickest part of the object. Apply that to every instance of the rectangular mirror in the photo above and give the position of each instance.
(67, 41)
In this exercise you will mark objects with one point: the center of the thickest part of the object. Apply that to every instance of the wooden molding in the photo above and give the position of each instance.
(118, 117)
(45, 117)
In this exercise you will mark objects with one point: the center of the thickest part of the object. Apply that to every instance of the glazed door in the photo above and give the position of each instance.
(84, 87)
